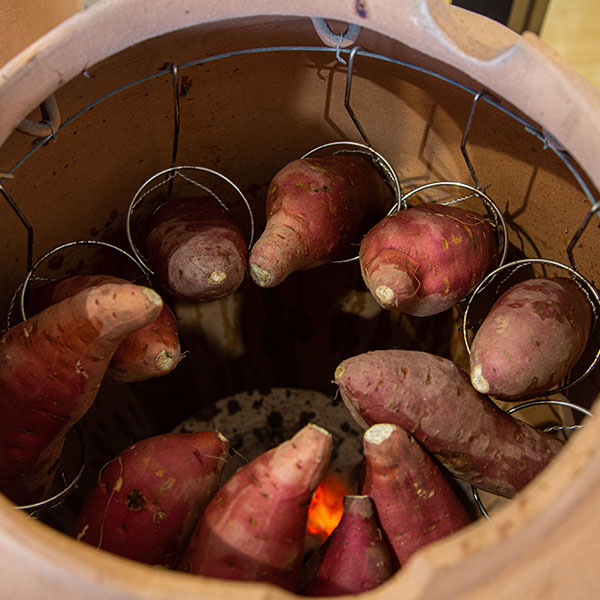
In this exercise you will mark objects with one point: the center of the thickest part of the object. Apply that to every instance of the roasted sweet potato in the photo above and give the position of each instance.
(415, 503)
(148, 499)
(51, 366)
(532, 337)
(254, 528)
(315, 209)
(152, 351)
(356, 557)
(196, 249)
(424, 259)
(432, 398)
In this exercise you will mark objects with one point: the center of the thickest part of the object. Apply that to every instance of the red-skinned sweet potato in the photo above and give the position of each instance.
(51, 366)
(356, 557)
(315, 209)
(531, 338)
(196, 249)
(432, 398)
(255, 526)
(424, 259)
(148, 499)
(152, 351)
(415, 503)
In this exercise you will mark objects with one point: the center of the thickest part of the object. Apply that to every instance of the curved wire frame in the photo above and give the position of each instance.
(68, 486)
(381, 162)
(591, 295)
(530, 404)
(22, 294)
(171, 173)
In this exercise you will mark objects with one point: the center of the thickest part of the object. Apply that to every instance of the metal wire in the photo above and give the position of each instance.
(68, 486)
(591, 295)
(491, 207)
(171, 173)
(477, 94)
(23, 288)
(381, 162)
(530, 404)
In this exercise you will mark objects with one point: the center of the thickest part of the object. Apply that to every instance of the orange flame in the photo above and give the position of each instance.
(327, 506)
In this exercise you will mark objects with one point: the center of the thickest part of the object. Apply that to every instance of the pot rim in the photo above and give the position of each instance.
(436, 29)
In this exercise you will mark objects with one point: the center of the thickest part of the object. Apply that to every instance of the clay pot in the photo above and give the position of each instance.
(246, 116)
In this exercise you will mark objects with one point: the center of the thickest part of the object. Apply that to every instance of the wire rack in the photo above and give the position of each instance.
(342, 47)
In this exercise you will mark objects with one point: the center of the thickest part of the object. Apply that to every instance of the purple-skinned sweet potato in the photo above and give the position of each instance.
(196, 249)
(532, 337)
(356, 557)
(152, 351)
(315, 209)
(424, 259)
(148, 499)
(51, 366)
(255, 526)
(415, 503)
(433, 399)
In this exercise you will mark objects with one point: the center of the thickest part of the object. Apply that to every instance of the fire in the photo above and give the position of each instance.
(327, 506)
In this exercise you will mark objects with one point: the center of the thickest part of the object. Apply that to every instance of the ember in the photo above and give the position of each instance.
(327, 506)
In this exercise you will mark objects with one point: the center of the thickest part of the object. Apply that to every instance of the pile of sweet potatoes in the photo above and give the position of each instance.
(427, 421)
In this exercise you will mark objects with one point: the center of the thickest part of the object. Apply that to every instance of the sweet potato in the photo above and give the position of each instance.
(148, 499)
(531, 338)
(315, 209)
(152, 351)
(415, 503)
(355, 557)
(196, 249)
(432, 398)
(424, 259)
(254, 528)
(51, 366)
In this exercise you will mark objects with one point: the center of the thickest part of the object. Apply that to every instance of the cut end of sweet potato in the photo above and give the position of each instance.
(379, 433)
(392, 287)
(478, 381)
(385, 294)
(260, 276)
(164, 361)
(217, 277)
(152, 296)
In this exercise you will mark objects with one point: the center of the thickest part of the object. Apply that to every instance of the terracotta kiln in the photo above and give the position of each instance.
(242, 88)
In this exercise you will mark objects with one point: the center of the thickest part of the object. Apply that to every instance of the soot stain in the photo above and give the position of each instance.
(233, 406)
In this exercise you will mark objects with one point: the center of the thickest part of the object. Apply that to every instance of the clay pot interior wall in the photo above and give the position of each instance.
(246, 116)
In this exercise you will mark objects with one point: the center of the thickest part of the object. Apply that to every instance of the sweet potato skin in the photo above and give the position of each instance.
(356, 557)
(433, 399)
(531, 338)
(254, 528)
(152, 351)
(51, 366)
(315, 208)
(196, 249)
(148, 499)
(424, 259)
(415, 503)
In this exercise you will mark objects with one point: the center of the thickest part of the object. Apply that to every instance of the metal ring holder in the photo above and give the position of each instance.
(380, 162)
(68, 485)
(170, 174)
(494, 212)
(584, 284)
(23, 288)
(530, 404)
